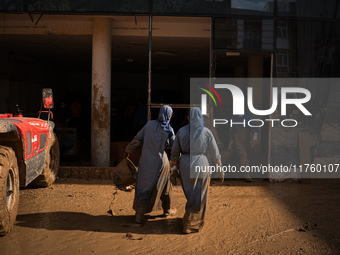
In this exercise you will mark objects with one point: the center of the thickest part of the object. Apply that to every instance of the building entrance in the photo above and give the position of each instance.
(245, 65)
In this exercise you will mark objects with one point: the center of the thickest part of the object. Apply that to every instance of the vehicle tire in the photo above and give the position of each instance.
(51, 167)
(9, 189)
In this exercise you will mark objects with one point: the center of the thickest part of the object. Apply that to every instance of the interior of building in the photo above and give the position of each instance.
(56, 51)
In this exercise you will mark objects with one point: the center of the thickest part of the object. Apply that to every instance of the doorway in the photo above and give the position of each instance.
(246, 65)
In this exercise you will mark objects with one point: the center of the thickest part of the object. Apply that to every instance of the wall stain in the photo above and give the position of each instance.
(100, 112)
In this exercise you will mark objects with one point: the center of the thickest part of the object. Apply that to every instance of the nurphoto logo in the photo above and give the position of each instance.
(238, 103)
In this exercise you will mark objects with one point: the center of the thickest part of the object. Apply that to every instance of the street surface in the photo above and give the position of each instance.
(71, 217)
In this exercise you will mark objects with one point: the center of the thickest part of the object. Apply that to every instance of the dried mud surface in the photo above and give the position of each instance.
(71, 217)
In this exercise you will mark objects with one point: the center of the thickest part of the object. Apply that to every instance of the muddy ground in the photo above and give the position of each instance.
(242, 218)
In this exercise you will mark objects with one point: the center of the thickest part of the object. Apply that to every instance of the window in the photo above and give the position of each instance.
(225, 33)
(282, 61)
(252, 34)
(282, 31)
(43, 141)
(29, 143)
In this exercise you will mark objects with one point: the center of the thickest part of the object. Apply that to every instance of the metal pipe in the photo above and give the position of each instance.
(149, 72)
(270, 103)
(212, 53)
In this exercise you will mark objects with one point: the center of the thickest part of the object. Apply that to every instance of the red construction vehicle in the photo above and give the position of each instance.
(29, 153)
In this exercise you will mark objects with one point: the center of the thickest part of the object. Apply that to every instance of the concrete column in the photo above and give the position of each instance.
(255, 70)
(101, 92)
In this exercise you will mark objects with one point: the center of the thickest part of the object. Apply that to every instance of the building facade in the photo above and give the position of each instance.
(116, 56)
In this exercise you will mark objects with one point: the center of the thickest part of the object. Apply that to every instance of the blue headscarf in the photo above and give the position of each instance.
(164, 118)
(196, 122)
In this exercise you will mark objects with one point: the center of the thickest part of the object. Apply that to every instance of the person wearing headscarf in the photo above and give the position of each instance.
(193, 144)
(153, 177)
